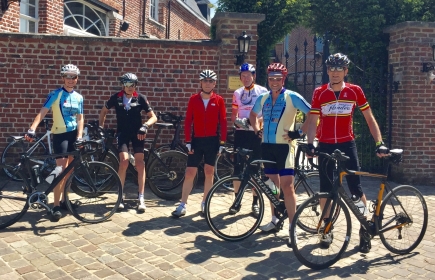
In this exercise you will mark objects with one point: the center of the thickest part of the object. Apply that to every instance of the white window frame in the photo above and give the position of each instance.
(28, 18)
(72, 31)
(154, 9)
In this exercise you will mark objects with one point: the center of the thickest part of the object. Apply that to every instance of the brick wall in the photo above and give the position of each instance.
(413, 126)
(47, 22)
(10, 20)
(168, 71)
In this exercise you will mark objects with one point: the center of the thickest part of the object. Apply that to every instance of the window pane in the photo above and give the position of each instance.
(23, 25)
(32, 11)
(32, 27)
(89, 20)
(94, 30)
(71, 22)
(24, 9)
(32, 2)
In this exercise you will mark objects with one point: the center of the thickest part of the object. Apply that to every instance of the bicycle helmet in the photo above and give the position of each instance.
(69, 69)
(338, 60)
(247, 67)
(277, 68)
(207, 74)
(128, 77)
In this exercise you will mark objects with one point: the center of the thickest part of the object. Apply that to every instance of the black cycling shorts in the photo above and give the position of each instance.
(326, 172)
(64, 142)
(125, 139)
(203, 147)
(282, 154)
(246, 139)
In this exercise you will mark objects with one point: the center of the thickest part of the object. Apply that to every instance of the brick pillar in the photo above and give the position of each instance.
(413, 127)
(51, 16)
(229, 26)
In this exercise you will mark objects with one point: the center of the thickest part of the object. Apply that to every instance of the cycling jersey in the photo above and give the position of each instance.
(205, 120)
(281, 115)
(65, 107)
(244, 99)
(128, 114)
(336, 113)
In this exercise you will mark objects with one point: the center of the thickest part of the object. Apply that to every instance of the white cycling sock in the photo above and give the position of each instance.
(274, 219)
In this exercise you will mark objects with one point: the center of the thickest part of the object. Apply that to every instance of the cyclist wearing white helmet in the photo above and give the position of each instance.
(67, 108)
(334, 104)
(243, 100)
(205, 113)
(129, 105)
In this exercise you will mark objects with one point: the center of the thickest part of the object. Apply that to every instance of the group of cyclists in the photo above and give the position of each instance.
(264, 121)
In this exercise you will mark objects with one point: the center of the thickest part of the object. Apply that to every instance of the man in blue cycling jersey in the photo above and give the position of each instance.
(279, 108)
(67, 107)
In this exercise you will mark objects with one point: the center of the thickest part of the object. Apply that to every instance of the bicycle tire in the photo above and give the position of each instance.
(13, 201)
(392, 214)
(307, 248)
(232, 227)
(165, 175)
(11, 155)
(80, 187)
(94, 207)
(223, 167)
(306, 185)
(167, 147)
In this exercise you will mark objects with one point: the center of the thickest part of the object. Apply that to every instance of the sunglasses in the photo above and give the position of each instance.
(336, 68)
(274, 79)
(129, 84)
(208, 81)
(70, 77)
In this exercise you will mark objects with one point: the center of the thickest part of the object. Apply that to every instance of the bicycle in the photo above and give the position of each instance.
(164, 170)
(220, 203)
(98, 206)
(19, 145)
(394, 220)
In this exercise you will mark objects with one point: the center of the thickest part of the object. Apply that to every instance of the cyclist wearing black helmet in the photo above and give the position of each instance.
(334, 104)
(129, 106)
(206, 113)
(243, 100)
(67, 107)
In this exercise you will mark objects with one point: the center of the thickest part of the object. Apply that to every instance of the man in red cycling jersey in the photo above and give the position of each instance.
(205, 112)
(334, 104)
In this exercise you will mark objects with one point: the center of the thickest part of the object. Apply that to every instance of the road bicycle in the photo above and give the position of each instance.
(19, 145)
(399, 217)
(230, 217)
(164, 170)
(100, 203)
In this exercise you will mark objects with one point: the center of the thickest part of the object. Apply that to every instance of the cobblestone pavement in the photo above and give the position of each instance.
(155, 246)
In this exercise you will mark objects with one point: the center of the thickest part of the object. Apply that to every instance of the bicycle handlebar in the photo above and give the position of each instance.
(170, 118)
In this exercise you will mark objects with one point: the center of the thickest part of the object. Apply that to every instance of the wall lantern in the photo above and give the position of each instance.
(124, 25)
(427, 66)
(5, 4)
(243, 44)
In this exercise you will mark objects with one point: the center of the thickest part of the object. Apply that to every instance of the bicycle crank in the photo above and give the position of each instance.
(39, 201)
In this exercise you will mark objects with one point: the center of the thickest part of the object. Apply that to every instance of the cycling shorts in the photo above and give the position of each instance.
(64, 142)
(203, 148)
(282, 154)
(126, 138)
(246, 139)
(326, 172)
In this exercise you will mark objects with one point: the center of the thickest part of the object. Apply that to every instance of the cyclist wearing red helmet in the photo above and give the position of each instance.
(279, 107)
(205, 113)
(243, 100)
(129, 105)
(334, 104)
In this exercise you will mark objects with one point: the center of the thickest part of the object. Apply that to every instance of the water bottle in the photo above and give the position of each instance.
(358, 202)
(271, 186)
(131, 159)
(54, 174)
(36, 173)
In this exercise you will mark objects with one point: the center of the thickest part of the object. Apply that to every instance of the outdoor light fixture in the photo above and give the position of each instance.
(243, 44)
(427, 66)
(5, 4)
(397, 78)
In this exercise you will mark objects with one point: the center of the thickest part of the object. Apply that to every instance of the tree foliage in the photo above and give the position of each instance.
(281, 17)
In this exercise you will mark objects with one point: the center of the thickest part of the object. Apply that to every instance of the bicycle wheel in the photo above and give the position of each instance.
(223, 167)
(165, 174)
(13, 201)
(95, 206)
(232, 227)
(308, 247)
(11, 156)
(307, 184)
(404, 213)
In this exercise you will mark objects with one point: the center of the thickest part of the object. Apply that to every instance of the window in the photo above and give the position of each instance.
(154, 9)
(29, 16)
(81, 18)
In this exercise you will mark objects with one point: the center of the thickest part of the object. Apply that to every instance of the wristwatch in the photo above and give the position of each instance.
(300, 132)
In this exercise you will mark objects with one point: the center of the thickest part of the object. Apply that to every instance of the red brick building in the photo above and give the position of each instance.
(160, 19)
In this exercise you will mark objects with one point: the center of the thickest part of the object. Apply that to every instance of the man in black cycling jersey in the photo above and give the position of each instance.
(128, 106)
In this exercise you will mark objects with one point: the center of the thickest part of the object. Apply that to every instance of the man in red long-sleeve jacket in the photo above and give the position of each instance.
(207, 113)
